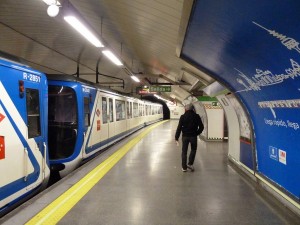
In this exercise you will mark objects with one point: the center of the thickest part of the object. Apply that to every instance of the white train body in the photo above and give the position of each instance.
(24, 163)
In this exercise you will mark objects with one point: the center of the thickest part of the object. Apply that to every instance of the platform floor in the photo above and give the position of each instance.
(147, 186)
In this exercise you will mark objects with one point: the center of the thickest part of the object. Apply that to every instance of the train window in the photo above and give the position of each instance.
(104, 110)
(135, 110)
(129, 110)
(62, 105)
(120, 110)
(142, 106)
(111, 110)
(33, 113)
(140, 110)
(86, 101)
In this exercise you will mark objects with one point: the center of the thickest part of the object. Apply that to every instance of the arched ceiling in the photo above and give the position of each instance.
(144, 34)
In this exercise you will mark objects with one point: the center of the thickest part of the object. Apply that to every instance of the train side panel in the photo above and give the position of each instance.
(23, 132)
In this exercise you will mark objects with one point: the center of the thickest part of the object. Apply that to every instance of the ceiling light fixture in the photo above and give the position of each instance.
(135, 78)
(53, 10)
(53, 7)
(83, 30)
(112, 57)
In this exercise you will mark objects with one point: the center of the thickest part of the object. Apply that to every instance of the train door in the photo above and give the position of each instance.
(36, 120)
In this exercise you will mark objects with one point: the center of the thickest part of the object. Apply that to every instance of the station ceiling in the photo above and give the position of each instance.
(146, 35)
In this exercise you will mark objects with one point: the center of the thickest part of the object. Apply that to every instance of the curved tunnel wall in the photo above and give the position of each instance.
(252, 47)
(234, 127)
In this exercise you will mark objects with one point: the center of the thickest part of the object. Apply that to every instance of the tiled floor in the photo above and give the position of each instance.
(147, 186)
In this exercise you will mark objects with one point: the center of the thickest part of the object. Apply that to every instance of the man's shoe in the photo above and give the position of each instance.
(184, 170)
(191, 167)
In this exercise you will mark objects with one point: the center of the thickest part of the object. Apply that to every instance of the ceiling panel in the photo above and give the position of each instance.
(143, 33)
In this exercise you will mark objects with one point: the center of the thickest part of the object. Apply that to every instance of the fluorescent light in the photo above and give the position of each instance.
(112, 57)
(49, 2)
(135, 78)
(77, 25)
(157, 96)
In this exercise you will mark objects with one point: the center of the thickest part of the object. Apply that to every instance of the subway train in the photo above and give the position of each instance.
(84, 119)
(53, 124)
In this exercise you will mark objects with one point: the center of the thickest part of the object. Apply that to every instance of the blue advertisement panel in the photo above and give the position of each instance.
(252, 47)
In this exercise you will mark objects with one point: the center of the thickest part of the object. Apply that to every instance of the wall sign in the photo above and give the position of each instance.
(160, 89)
(273, 152)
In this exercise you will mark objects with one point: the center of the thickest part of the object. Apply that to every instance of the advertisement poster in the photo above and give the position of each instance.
(253, 49)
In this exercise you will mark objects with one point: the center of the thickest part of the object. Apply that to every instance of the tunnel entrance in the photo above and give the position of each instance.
(166, 110)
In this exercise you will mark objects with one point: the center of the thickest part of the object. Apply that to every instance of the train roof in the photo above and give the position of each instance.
(11, 58)
(71, 78)
(17, 63)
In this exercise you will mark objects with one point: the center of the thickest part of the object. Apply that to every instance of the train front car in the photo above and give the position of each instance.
(24, 163)
(66, 123)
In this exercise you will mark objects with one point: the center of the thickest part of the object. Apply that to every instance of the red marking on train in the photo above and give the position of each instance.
(1, 117)
(2, 148)
(98, 125)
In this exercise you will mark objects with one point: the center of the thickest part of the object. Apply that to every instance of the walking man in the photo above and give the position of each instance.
(191, 126)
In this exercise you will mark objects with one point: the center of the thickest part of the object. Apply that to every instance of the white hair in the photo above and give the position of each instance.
(189, 107)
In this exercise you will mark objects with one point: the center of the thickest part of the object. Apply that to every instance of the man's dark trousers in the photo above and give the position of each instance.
(185, 145)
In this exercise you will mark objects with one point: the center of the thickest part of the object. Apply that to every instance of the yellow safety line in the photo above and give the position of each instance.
(56, 210)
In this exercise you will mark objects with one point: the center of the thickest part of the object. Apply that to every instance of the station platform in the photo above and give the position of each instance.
(139, 181)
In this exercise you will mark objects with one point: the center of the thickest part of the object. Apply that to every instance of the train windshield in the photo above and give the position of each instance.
(62, 121)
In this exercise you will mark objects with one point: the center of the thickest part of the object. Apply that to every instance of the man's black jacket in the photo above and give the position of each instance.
(190, 124)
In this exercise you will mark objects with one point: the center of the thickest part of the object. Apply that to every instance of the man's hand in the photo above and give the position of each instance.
(177, 143)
